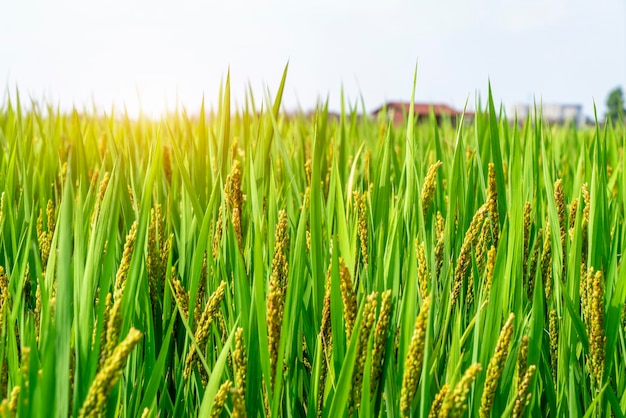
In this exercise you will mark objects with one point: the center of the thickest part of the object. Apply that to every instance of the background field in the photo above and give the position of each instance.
(254, 263)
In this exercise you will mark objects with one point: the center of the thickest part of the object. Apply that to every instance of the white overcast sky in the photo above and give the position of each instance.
(153, 54)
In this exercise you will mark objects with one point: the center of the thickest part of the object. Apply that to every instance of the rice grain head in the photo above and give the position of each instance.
(381, 334)
(348, 296)
(554, 342)
(585, 222)
(495, 367)
(423, 273)
(491, 264)
(220, 399)
(492, 201)
(240, 359)
(325, 335)
(277, 289)
(436, 406)
(482, 245)
(217, 235)
(430, 185)
(107, 377)
(559, 198)
(114, 322)
(234, 197)
(439, 246)
(523, 392)
(597, 339)
(13, 400)
(455, 405)
(573, 208)
(414, 360)
(369, 315)
(546, 261)
(360, 201)
(239, 404)
(202, 329)
(122, 272)
(463, 262)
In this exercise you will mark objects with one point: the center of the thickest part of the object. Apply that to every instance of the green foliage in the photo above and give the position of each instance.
(206, 194)
(615, 105)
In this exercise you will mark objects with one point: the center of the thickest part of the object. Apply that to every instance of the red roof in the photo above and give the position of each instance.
(424, 108)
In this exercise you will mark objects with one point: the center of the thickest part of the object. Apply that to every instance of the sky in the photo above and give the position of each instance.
(154, 56)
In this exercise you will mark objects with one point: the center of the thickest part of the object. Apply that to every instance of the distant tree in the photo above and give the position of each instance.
(615, 104)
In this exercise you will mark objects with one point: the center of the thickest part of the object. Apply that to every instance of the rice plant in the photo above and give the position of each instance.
(253, 263)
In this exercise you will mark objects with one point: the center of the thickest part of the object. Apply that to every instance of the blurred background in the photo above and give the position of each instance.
(152, 57)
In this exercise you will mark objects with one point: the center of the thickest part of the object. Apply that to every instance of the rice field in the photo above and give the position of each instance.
(248, 263)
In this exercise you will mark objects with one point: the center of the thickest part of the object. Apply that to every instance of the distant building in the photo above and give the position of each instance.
(397, 111)
(551, 113)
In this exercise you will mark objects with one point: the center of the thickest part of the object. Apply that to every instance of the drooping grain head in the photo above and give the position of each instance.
(367, 322)
(430, 185)
(492, 202)
(597, 339)
(122, 272)
(240, 359)
(220, 399)
(107, 377)
(573, 208)
(158, 252)
(325, 336)
(50, 215)
(546, 261)
(553, 328)
(201, 292)
(423, 273)
(455, 404)
(414, 360)
(239, 404)
(439, 246)
(232, 187)
(181, 295)
(463, 262)
(437, 406)
(495, 367)
(482, 245)
(308, 170)
(348, 295)
(277, 289)
(523, 392)
(217, 235)
(559, 198)
(360, 200)
(325, 329)
(381, 334)
(14, 399)
(103, 186)
(202, 329)
(491, 264)
(585, 222)
(115, 315)
(234, 198)
(234, 148)
(44, 237)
